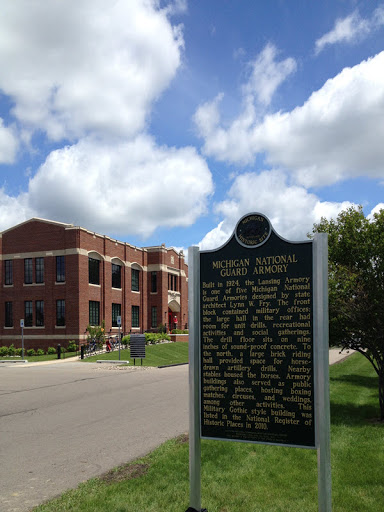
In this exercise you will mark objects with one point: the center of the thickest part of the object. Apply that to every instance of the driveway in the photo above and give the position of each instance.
(61, 424)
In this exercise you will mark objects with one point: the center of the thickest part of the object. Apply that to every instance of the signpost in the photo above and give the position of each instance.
(119, 324)
(22, 337)
(259, 345)
(137, 347)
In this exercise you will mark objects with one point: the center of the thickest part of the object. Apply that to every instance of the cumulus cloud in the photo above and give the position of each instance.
(133, 187)
(8, 144)
(89, 67)
(351, 29)
(338, 133)
(291, 209)
(267, 74)
(87, 74)
(14, 210)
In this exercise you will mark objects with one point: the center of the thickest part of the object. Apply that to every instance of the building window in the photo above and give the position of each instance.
(94, 272)
(172, 282)
(28, 271)
(153, 282)
(39, 313)
(60, 312)
(116, 311)
(28, 317)
(8, 314)
(116, 276)
(135, 280)
(60, 269)
(94, 312)
(154, 317)
(135, 316)
(39, 270)
(8, 268)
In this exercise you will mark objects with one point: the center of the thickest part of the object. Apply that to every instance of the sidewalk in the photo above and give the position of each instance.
(336, 357)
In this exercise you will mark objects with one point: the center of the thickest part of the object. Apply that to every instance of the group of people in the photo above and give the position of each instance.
(110, 344)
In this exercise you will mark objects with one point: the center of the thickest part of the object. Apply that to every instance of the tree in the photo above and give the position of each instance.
(356, 286)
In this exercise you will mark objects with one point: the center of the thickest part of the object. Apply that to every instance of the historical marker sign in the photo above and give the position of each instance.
(256, 332)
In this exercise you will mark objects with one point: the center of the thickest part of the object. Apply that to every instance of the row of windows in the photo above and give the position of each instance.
(94, 314)
(39, 270)
(93, 270)
(39, 313)
(94, 276)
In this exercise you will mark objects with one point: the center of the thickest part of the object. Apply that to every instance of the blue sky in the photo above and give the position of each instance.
(165, 122)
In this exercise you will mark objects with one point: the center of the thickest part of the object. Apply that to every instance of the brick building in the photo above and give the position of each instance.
(60, 278)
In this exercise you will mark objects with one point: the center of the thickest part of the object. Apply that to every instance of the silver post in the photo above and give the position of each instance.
(22, 343)
(119, 342)
(194, 406)
(321, 340)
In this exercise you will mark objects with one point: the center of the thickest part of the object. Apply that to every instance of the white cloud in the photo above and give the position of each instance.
(374, 210)
(338, 133)
(267, 75)
(345, 30)
(13, 210)
(351, 29)
(291, 209)
(93, 66)
(130, 188)
(8, 144)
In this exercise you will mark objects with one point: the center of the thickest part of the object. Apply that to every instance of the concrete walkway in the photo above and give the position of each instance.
(335, 356)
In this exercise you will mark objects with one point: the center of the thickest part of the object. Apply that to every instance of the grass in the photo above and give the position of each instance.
(242, 477)
(36, 359)
(155, 355)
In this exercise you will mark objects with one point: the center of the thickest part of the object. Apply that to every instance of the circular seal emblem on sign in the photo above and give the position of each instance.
(253, 230)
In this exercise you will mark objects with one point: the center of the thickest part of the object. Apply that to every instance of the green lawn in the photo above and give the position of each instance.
(242, 477)
(155, 355)
(36, 359)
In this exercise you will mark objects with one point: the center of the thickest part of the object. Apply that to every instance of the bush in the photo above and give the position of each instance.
(51, 350)
(31, 352)
(179, 331)
(151, 338)
(39, 352)
(11, 350)
(18, 351)
(3, 351)
(162, 328)
(126, 340)
(72, 346)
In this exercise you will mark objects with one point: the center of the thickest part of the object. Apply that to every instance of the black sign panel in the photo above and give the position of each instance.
(257, 374)
(137, 346)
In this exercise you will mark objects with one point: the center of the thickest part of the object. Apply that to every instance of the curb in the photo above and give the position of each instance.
(112, 361)
(13, 361)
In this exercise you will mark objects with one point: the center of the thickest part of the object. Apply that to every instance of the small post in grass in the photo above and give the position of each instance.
(22, 337)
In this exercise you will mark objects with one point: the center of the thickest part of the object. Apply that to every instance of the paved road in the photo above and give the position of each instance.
(61, 424)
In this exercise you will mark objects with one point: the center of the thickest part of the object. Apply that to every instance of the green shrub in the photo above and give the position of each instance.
(39, 352)
(72, 346)
(51, 350)
(3, 351)
(126, 340)
(151, 338)
(18, 351)
(162, 328)
(179, 331)
(11, 350)
(31, 352)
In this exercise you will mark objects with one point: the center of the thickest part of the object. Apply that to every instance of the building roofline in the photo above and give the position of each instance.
(38, 219)
(68, 226)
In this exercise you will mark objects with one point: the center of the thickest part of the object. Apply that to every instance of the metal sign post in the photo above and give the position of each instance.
(22, 338)
(119, 324)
